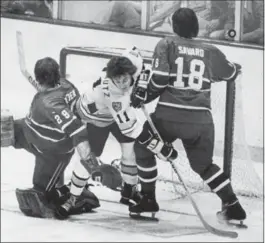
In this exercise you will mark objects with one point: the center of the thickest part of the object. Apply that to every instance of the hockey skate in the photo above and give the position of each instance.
(233, 215)
(85, 203)
(147, 204)
(63, 211)
(130, 195)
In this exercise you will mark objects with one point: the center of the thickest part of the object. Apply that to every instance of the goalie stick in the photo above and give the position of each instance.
(57, 173)
(22, 61)
(211, 229)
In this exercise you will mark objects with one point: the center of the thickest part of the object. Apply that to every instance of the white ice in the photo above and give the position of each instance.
(17, 167)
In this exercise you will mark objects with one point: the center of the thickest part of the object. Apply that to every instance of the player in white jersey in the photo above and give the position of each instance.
(106, 109)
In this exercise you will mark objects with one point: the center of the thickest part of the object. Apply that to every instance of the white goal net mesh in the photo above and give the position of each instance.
(83, 70)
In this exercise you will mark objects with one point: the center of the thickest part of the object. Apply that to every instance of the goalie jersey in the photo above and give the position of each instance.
(105, 104)
(51, 124)
(183, 71)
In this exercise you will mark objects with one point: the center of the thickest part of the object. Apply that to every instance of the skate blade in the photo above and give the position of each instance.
(232, 222)
(127, 202)
(140, 216)
(236, 223)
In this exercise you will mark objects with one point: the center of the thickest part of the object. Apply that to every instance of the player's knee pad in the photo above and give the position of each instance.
(128, 164)
(34, 203)
(7, 129)
(128, 154)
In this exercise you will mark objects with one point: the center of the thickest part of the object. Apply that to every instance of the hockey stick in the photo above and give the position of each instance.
(59, 170)
(211, 229)
(22, 61)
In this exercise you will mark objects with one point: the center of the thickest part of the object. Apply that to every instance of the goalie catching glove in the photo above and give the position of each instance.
(163, 150)
(109, 176)
(139, 93)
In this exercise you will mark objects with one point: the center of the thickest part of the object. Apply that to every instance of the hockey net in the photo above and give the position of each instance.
(83, 65)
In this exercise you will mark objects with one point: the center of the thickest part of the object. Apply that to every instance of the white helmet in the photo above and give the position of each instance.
(136, 58)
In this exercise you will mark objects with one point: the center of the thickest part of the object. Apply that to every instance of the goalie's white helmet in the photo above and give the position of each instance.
(136, 58)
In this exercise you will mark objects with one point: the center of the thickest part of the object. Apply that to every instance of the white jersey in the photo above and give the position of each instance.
(106, 104)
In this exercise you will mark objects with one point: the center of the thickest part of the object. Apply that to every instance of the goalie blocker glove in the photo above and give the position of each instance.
(139, 93)
(7, 129)
(162, 150)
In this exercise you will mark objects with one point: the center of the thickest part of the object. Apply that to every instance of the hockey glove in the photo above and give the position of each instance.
(139, 93)
(92, 163)
(7, 129)
(167, 152)
(108, 175)
(164, 151)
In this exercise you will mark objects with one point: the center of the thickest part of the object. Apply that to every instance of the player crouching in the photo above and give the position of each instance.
(51, 132)
(118, 89)
(106, 110)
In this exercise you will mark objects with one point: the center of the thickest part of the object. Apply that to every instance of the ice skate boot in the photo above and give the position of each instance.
(233, 214)
(85, 203)
(147, 204)
(63, 211)
(130, 195)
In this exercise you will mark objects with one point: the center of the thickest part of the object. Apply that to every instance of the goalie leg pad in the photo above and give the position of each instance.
(33, 203)
(7, 129)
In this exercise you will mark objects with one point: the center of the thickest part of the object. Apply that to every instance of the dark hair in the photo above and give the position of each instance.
(119, 66)
(47, 72)
(185, 23)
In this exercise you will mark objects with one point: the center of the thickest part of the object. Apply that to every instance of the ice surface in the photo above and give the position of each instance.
(17, 167)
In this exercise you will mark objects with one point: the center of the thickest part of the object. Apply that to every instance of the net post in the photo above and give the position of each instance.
(229, 128)
(63, 54)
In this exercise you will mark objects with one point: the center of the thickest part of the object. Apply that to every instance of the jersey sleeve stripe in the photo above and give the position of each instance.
(161, 73)
(74, 126)
(77, 130)
(42, 136)
(159, 86)
(232, 76)
(158, 82)
(68, 123)
(44, 126)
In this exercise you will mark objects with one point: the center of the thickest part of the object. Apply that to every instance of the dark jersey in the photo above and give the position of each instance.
(51, 124)
(184, 70)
